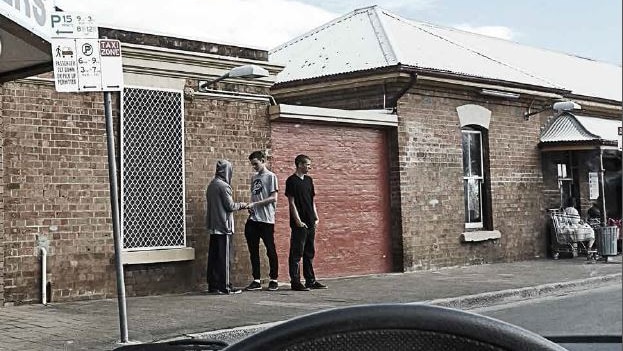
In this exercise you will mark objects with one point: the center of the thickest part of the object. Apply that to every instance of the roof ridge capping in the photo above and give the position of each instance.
(390, 52)
(320, 28)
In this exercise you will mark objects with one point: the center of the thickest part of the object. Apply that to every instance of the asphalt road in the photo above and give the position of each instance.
(590, 312)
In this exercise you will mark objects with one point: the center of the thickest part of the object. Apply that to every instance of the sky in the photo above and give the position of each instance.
(587, 28)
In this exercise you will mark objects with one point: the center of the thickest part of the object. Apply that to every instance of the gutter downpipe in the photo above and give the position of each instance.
(44, 270)
(409, 85)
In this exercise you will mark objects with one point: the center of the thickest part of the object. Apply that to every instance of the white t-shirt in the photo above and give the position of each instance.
(262, 185)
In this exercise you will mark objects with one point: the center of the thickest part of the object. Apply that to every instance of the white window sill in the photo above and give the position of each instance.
(158, 256)
(480, 235)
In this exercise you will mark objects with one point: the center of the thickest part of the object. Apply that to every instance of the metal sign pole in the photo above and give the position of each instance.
(114, 201)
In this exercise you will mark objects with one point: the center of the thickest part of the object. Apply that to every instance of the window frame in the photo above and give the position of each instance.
(481, 179)
(565, 182)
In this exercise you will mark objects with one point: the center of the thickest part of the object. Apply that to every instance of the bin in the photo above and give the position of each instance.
(607, 240)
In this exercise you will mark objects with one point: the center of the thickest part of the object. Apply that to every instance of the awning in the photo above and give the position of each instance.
(24, 42)
(376, 118)
(572, 132)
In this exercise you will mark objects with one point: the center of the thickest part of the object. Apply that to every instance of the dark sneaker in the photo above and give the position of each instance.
(315, 285)
(273, 286)
(297, 286)
(253, 286)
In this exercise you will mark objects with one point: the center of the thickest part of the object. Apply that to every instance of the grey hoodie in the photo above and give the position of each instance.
(220, 204)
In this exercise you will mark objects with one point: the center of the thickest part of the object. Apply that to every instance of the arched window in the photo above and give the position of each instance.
(474, 122)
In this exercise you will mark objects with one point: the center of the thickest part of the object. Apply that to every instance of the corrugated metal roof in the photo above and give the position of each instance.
(349, 43)
(606, 129)
(372, 37)
(571, 128)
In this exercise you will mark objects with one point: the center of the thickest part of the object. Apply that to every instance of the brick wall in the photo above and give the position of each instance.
(56, 181)
(349, 168)
(395, 200)
(218, 129)
(431, 186)
(2, 237)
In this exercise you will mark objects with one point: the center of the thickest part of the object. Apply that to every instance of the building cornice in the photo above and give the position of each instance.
(142, 59)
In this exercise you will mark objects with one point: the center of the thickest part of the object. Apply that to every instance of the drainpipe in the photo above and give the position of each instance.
(410, 83)
(44, 269)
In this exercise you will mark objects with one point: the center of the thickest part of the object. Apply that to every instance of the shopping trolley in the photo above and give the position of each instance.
(568, 237)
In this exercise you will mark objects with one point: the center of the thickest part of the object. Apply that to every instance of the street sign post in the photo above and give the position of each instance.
(84, 63)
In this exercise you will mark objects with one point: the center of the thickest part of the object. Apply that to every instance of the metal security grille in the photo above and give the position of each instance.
(152, 169)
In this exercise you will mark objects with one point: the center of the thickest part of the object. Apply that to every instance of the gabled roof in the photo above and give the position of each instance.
(571, 128)
(372, 38)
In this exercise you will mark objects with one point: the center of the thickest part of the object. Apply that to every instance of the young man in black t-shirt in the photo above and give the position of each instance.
(303, 223)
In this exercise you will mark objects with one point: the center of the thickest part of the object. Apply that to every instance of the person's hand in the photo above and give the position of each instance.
(244, 205)
(316, 223)
(301, 224)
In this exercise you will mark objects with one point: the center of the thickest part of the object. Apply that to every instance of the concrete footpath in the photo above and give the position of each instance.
(94, 325)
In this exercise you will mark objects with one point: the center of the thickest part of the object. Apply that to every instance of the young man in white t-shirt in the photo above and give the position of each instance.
(261, 222)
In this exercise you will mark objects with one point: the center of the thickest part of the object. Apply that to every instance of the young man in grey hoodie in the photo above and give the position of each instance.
(220, 226)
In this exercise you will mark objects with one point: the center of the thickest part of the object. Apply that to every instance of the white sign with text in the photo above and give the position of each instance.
(73, 26)
(65, 66)
(89, 65)
(593, 185)
(112, 67)
(82, 65)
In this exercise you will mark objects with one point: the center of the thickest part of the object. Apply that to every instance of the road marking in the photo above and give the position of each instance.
(546, 298)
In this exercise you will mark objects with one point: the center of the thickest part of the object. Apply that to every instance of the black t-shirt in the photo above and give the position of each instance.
(303, 192)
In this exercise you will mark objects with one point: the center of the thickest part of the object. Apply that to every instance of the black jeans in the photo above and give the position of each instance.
(302, 245)
(254, 231)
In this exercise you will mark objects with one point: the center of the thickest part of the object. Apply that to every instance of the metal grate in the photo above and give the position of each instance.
(152, 169)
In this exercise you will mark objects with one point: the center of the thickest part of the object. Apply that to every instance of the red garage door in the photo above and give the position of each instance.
(350, 172)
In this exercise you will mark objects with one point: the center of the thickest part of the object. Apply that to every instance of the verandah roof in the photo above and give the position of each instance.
(576, 131)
